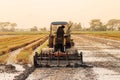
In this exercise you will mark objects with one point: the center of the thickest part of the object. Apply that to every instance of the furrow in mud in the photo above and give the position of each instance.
(103, 56)
(13, 71)
(101, 53)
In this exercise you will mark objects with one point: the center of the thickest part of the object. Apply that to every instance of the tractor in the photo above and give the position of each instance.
(60, 50)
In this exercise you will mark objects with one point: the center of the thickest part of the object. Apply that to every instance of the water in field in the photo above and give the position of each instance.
(105, 74)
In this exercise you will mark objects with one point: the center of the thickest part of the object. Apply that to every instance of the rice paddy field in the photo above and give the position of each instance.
(101, 49)
(10, 42)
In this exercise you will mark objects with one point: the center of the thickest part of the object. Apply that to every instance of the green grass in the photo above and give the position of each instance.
(24, 56)
(3, 58)
(24, 33)
(95, 32)
(105, 34)
(44, 45)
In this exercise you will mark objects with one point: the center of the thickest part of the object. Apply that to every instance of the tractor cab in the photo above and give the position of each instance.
(54, 40)
(55, 25)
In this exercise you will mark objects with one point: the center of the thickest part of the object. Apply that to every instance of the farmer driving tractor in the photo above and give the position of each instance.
(60, 38)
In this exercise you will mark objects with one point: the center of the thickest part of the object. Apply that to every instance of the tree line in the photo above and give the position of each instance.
(7, 26)
(111, 25)
(98, 25)
(95, 25)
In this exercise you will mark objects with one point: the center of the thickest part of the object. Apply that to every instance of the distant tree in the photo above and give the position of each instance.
(34, 28)
(7, 26)
(1, 26)
(113, 24)
(75, 26)
(13, 25)
(97, 25)
(43, 29)
(78, 26)
(4, 26)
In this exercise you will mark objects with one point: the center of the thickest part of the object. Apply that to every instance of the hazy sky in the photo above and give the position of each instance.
(28, 13)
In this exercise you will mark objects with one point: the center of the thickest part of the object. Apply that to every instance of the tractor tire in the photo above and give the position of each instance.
(35, 60)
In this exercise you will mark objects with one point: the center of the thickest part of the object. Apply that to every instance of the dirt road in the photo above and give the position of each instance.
(103, 54)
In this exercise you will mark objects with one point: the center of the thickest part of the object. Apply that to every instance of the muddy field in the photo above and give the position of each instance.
(102, 54)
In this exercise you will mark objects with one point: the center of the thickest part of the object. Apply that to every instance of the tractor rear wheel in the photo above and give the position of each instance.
(35, 60)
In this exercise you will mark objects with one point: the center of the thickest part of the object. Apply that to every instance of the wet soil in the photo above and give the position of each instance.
(9, 71)
(62, 74)
(102, 54)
